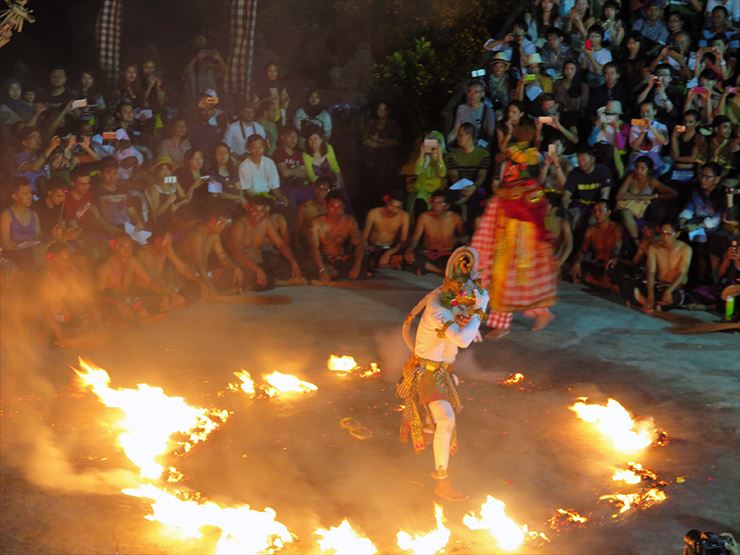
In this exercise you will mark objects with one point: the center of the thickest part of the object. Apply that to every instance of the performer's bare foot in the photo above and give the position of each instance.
(543, 320)
(448, 492)
(497, 333)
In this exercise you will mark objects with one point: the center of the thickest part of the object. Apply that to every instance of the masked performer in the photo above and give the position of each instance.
(517, 262)
(452, 315)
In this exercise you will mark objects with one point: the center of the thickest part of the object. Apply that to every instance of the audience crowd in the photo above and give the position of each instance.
(125, 201)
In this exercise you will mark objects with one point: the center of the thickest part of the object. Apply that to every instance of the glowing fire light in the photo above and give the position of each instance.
(513, 379)
(616, 423)
(374, 370)
(149, 419)
(431, 542)
(567, 518)
(246, 383)
(507, 533)
(343, 539)
(280, 384)
(343, 363)
(642, 500)
(243, 530)
(633, 474)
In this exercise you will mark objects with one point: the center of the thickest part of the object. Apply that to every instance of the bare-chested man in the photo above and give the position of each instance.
(329, 236)
(121, 277)
(202, 239)
(442, 231)
(159, 259)
(599, 252)
(309, 210)
(386, 232)
(668, 264)
(247, 242)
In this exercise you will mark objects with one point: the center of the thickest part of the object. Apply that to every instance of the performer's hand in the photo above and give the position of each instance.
(238, 276)
(477, 338)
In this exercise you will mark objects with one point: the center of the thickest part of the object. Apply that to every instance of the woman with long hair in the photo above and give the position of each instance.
(515, 115)
(95, 101)
(176, 144)
(129, 88)
(632, 61)
(193, 182)
(223, 171)
(571, 92)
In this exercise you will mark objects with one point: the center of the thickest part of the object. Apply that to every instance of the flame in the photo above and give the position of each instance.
(341, 363)
(567, 518)
(507, 533)
(374, 370)
(280, 383)
(642, 499)
(431, 542)
(243, 530)
(633, 474)
(616, 423)
(513, 379)
(149, 419)
(344, 539)
(246, 385)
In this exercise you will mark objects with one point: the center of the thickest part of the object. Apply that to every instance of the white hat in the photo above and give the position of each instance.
(500, 58)
(534, 59)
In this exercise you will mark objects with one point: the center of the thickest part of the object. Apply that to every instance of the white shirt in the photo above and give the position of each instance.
(655, 147)
(237, 134)
(259, 179)
(444, 349)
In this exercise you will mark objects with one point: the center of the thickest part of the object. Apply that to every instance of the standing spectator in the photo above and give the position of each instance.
(176, 144)
(238, 133)
(203, 124)
(59, 95)
(381, 138)
(313, 117)
(272, 87)
(154, 92)
(14, 109)
(477, 112)
(205, 71)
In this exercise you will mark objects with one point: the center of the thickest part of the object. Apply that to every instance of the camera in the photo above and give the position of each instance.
(706, 543)
(478, 73)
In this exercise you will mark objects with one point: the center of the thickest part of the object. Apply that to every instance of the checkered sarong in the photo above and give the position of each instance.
(519, 270)
(239, 74)
(108, 38)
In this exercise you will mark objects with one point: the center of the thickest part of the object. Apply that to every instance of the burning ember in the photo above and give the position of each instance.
(343, 539)
(567, 518)
(246, 385)
(507, 533)
(343, 363)
(640, 500)
(431, 542)
(243, 530)
(374, 370)
(281, 384)
(513, 379)
(616, 423)
(633, 474)
(149, 419)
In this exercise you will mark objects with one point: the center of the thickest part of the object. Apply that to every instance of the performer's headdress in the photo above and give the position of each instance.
(522, 162)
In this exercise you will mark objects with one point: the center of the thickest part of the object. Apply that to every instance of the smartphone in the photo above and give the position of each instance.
(589, 44)
(733, 90)
(170, 180)
(680, 129)
(611, 118)
(545, 119)
(639, 122)
(551, 150)
(212, 100)
(699, 90)
(529, 77)
(429, 145)
(109, 135)
(478, 72)
(205, 177)
(81, 103)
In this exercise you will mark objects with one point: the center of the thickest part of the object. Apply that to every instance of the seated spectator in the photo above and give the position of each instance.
(515, 115)
(238, 133)
(441, 230)
(717, 57)
(514, 45)
(610, 137)
(266, 115)
(138, 134)
(556, 224)
(594, 56)
(547, 18)
(721, 148)
(58, 97)
(193, 183)
(470, 162)
(599, 252)
(273, 88)
(205, 124)
(677, 54)
(126, 291)
(289, 159)
(386, 233)
(66, 296)
(728, 273)
(13, 109)
(663, 94)
(330, 258)
(647, 138)
(29, 161)
(477, 112)
(263, 268)
(636, 195)
(257, 173)
(80, 208)
(49, 206)
(553, 126)
(612, 25)
(534, 82)
(554, 172)
(20, 228)
(587, 184)
(200, 243)
(667, 272)
(430, 171)
(310, 209)
(576, 23)
(129, 90)
(176, 144)
(155, 94)
(224, 184)
(555, 53)
(570, 92)
(114, 204)
(719, 24)
(313, 117)
(632, 62)
(165, 196)
(705, 97)
(498, 84)
(652, 26)
(611, 89)
(320, 161)
(687, 146)
(702, 217)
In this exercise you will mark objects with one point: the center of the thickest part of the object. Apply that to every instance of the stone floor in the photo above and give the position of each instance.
(522, 446)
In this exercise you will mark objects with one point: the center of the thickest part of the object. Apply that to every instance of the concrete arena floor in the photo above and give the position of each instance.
(523, 447)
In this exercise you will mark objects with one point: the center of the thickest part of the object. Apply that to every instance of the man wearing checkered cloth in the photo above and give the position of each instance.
(517, 263)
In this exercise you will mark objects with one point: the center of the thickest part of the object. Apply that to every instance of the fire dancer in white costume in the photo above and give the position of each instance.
(452, 316)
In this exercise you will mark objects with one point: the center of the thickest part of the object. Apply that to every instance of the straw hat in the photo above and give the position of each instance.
(500, 58)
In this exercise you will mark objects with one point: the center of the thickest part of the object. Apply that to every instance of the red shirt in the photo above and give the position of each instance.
(78, 210)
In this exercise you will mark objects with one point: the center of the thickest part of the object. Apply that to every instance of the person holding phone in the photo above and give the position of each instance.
(430, 171)
(165, 195)
(594, 56)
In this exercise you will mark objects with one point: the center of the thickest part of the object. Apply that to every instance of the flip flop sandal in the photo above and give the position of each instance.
(361, 432)
(349, 424)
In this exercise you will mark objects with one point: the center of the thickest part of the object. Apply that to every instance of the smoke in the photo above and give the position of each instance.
(28, 443)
